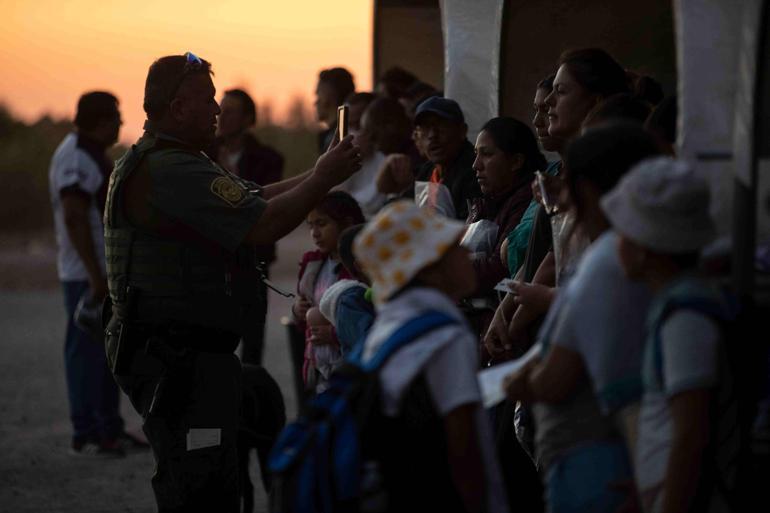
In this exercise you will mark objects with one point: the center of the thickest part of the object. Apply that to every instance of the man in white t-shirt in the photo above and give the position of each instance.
(78, 179)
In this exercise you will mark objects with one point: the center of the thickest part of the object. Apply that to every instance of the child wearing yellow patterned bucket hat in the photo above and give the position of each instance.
(402, 241)
(444, 456)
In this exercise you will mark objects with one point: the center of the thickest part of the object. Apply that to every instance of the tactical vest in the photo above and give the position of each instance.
(174, 281)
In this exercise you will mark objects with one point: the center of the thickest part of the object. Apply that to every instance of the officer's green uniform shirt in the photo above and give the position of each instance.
(175, 226)
(190, 188)
(163, 199)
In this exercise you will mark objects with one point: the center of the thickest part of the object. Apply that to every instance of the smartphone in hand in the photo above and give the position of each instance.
(342, 121)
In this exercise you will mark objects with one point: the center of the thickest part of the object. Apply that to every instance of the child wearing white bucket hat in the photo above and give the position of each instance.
(417, 269)
(684, 458)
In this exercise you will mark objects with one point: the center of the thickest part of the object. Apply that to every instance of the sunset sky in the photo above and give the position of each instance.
(53, 50)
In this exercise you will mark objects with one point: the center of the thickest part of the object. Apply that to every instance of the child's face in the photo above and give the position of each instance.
(325, 231)
(459, 271)
(453, 274)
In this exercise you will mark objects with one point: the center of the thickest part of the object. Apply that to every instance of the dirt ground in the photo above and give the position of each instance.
(36, 472)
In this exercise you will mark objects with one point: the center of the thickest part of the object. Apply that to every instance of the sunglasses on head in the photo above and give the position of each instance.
(193, 61)
(192, 64)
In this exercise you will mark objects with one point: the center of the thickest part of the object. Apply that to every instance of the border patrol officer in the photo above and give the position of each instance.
(179, 238)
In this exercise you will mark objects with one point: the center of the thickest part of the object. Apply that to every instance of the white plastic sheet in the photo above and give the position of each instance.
(472, 38)
(743, 121)
(708, 33)
(480, 237)
(435, 196)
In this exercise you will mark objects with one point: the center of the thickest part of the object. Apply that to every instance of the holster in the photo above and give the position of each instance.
(174, 384)
(175, 346)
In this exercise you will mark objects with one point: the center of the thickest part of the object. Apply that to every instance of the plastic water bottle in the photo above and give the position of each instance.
(374, 498)
(88, 317)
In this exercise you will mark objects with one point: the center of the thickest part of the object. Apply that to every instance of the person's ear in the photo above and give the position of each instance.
(517, 162)
(177, 109)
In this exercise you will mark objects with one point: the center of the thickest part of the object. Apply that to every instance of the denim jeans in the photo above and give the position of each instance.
(93, 394)
(580, 480)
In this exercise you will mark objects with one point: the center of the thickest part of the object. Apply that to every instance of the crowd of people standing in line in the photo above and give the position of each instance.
(588, 266)
(630, 399)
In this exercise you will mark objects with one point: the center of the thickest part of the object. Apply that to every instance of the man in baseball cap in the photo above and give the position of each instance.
(441, 123)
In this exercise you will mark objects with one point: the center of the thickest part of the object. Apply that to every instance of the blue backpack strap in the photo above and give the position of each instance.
(413, 329)
(720, 312)
(724, 310)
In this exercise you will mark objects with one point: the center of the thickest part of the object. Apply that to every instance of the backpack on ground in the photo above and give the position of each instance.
(324, 461)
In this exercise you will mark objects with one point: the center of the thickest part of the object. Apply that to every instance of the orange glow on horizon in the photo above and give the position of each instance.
(53, 51)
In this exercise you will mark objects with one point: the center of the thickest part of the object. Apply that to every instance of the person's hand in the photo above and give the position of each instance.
(98, 288)
(554, 187)
(496, 340)
(321, 335)
(533, 295)
(300, 307)
(395, 174)
(516, 385)
(339, 162)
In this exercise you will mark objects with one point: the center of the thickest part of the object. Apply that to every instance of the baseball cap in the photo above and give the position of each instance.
(444, 107)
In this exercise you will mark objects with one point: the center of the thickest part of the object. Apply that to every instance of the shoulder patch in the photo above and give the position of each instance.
(228, 190)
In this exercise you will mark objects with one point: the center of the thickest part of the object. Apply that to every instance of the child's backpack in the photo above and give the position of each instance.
(726, 467)
(324, 461)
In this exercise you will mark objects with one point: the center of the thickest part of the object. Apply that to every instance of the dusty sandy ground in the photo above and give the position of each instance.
(36, 472)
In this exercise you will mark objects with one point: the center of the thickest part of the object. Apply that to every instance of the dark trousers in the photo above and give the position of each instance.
(94, 399)
(253, 339)
(206, 396)
(522, 481)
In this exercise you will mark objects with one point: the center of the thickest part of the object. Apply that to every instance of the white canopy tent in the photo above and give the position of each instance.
(712, 53)
(719, 52)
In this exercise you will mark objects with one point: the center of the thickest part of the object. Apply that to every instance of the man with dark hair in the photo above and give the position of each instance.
(449, 152)
(415, 95)
(440, 123)
(395, 82)
(239, 151)
(334, 86)
(78, 175)
(180, 233)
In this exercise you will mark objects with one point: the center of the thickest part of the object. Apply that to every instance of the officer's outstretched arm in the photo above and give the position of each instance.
(275, 189)
(288, 209)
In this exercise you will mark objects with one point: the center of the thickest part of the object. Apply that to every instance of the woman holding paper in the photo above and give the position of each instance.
(585, 79)
(588, 354)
